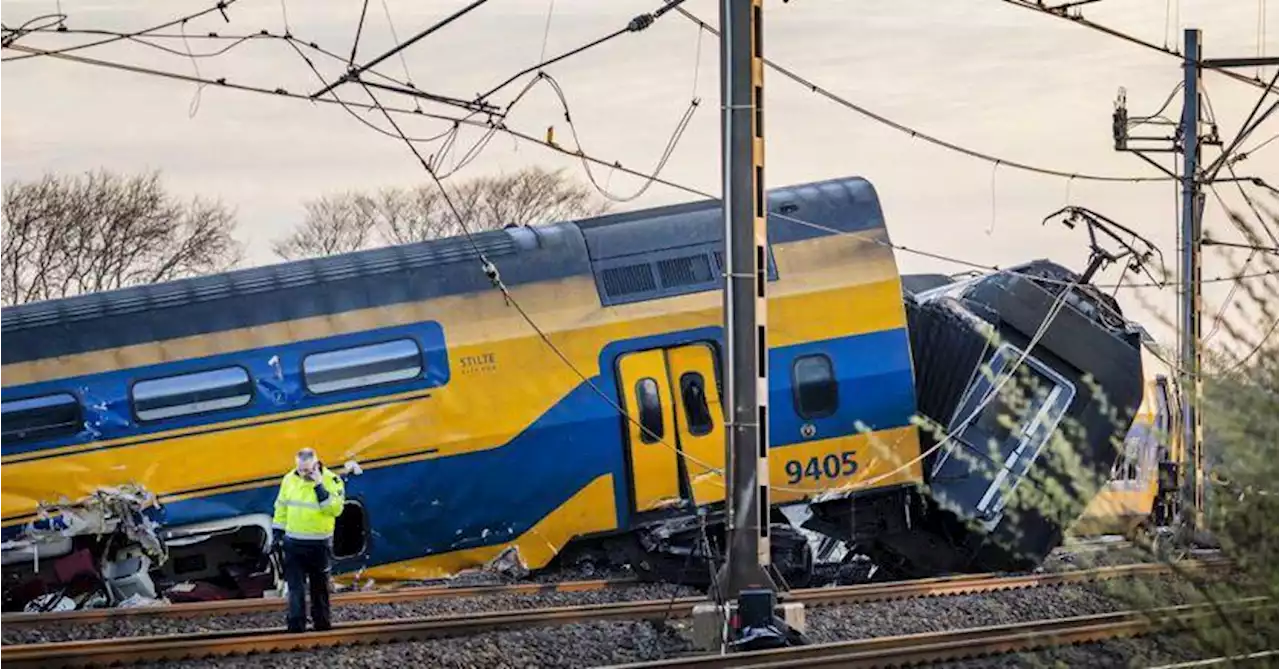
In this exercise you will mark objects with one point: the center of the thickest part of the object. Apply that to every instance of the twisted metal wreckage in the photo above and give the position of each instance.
(111, 542)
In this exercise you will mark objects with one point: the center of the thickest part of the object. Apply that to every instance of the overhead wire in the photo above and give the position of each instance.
(355, 42)
(681, 126)
(546, 30)
(1078, 19)
(220, 7)
(636, 24)
(504, 128)
(1225, 159)
(921, 135)
(395, 39)
(490, 125)
(284, 17)
(194, 107)
(1227, 301)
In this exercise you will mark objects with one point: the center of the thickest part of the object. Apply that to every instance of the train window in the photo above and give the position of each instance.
(43, 417)
(693, 392)
(1137, 442)
(816, 393)
(186, 394)
(1010, 423)
(350, 531)
(361, 366)
(651, 427)
(1163, 426)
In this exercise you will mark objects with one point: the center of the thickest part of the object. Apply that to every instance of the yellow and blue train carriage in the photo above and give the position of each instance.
(472, 436)
(1141, 491)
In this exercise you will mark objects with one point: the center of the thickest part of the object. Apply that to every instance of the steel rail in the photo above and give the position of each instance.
(236, 642)
(409, 594)
(238, 606)
(960, 644)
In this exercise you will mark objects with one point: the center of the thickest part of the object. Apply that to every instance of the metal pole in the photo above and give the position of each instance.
(746, 252)
(1192, 490)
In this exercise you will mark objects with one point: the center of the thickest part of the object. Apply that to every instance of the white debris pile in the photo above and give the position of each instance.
(102, 512)
(96, 551)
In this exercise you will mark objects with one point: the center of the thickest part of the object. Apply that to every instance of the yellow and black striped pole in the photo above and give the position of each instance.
(746, 281)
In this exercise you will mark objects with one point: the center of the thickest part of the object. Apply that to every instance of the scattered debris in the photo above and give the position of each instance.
(138, 601)
(508, 564)
(102, 513)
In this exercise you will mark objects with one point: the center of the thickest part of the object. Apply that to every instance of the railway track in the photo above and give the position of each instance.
(238, 606)
(960, 644)
(236, 642)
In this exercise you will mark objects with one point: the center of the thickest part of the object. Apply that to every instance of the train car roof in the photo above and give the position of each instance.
(919, 283)
(358, 280)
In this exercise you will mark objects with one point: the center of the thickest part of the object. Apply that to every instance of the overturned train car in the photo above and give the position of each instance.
(148, 427)
(1027, 383)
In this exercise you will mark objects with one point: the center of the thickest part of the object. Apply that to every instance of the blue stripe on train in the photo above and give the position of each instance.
(485, 498)
(478, 499)
(276, 373)
(874, 385)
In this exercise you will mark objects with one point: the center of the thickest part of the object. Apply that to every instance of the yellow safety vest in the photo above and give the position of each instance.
(298, 511)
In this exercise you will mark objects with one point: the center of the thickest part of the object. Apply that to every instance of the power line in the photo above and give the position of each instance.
(355, 43)
(635, 25)
(222, 82)
(354, 73)
(1078, 19)
(918, 134)
(500, 126)
(220, 7)
(395, 39)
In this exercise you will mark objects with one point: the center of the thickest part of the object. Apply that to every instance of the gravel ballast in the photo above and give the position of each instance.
(150, 626)
(614, 642)
(604, 643)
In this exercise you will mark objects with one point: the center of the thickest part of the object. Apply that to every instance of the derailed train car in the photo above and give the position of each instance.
(1141, 492)
(145, 429)
(1027, 381)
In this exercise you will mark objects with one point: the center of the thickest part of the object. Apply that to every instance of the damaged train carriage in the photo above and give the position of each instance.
(473, 437)
(469, 441)
(1030, 379)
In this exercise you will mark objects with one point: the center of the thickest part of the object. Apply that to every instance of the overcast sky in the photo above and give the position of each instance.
(981, 73)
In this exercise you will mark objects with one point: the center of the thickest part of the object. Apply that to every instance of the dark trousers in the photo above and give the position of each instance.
(306, 563)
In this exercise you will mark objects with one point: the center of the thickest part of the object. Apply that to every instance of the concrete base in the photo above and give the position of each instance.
(710, 621)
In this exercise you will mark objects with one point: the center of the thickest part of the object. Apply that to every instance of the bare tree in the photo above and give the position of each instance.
(350, 221)
(334, 224)
(66, 235)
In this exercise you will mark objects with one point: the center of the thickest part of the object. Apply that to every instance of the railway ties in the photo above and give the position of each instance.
(269, 604)
(960, 644)
(238, 642)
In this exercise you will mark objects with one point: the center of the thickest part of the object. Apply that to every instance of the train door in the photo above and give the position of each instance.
(699, 420)
(675, 431)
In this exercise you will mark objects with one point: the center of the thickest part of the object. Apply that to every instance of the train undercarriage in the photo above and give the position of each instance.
(881, 534)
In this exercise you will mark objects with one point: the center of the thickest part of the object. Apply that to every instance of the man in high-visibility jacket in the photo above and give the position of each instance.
(309, 502)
